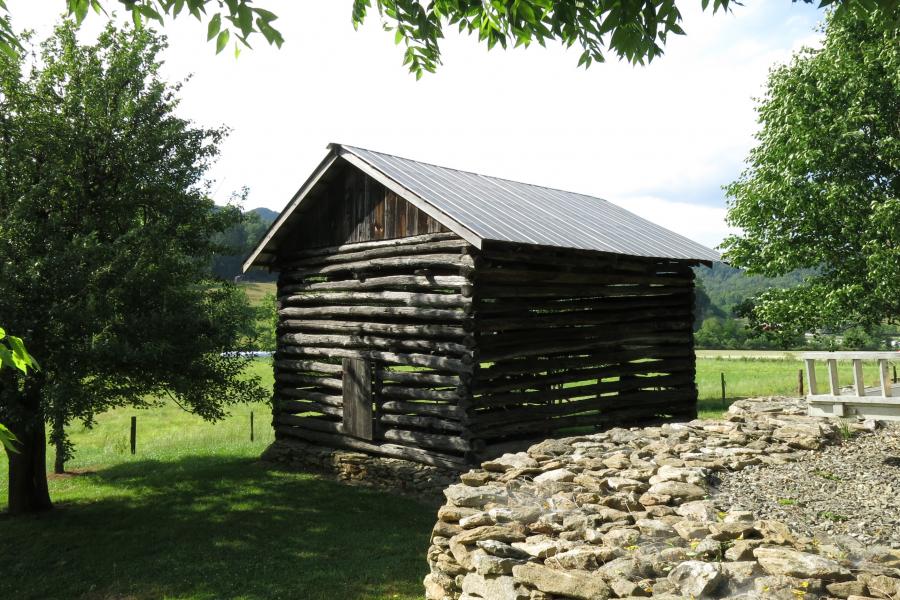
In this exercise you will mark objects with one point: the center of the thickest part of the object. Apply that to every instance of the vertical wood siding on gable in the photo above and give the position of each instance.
(356, 208)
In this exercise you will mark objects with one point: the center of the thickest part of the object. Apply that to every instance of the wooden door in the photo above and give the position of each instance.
(357, 384)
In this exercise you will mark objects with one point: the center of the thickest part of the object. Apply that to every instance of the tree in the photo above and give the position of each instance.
(105, 246)
(822, 187)
(634, 31)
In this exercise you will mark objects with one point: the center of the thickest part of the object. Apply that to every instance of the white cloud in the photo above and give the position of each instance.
(647, 134)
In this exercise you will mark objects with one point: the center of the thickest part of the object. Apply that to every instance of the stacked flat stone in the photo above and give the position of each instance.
(627, 513)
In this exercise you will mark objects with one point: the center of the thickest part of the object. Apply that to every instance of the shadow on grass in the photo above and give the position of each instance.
(217, 527)
(715, 405)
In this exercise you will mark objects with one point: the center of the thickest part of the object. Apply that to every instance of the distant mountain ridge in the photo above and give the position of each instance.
(266, 215)
(240, 241)
(727, 286)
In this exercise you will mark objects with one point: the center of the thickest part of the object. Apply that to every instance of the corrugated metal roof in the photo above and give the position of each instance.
(510, 211)
(479, 208)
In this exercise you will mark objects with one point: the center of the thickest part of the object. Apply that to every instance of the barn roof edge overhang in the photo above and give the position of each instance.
(476, 232)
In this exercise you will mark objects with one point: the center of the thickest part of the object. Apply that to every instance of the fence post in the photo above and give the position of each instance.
(251, 425)
(133, 435)
(723, 389)
(800, 382)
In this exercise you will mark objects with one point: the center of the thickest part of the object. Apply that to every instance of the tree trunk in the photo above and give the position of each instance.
(59, 462)
(28, 491)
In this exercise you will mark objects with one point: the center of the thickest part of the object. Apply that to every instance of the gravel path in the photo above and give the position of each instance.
(850, 489)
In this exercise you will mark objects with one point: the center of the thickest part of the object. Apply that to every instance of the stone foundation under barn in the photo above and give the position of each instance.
(408, 478)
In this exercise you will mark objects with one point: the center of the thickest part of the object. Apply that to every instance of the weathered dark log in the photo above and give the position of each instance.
(321, 397)
(498, 252)
(519, 421)
(292, 378)
(438, 363)
(399, 298)
(562, 376)
(541, 364)
(390, 450)
(354, 247)
(428, 440)
(494, 276)
(434, 315)
(308, 365)
(419, 378)
(512, 308)
(369, 341)
(659, 413)
(456, 262)
(589, 291)
(569, 319)
(361, 328)
(313, 423)
(393, 282)
(421, 422)
(436, 247)
(447, 411)
(589, 391)
(560, 336)
(408, 393)
(507, 352)
(298, 407)
(547, 427)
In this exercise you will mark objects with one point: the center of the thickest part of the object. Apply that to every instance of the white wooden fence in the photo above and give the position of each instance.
(881, 401)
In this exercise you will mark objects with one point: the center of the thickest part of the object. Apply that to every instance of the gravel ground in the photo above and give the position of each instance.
(849, 489)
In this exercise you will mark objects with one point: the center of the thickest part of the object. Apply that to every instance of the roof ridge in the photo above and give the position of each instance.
(430, 164)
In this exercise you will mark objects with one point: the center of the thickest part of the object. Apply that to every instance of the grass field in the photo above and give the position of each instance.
(750, 376)
(194, 515)
(256, 291)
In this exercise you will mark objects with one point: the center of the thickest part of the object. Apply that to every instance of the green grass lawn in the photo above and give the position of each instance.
(194, 515)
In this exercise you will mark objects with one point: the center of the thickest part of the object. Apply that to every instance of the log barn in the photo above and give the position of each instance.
(443, 316)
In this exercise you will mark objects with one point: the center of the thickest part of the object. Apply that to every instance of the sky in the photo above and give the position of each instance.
(660, 140)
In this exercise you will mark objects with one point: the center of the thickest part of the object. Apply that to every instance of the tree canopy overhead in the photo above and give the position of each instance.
(106, 235)
(633, 30)
(822, 187)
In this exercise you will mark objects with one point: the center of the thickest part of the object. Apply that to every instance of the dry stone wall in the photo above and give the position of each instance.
(630, 513)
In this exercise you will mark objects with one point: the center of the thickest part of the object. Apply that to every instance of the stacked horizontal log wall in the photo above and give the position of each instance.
(406, 305)
(569, 338)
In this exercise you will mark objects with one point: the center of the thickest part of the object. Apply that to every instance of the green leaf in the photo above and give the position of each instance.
(150, 12)
(215, 24)
(266, 15)
(79, 8)
(222, 41)
(6, 358)
(245, 19)
(8, 439)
